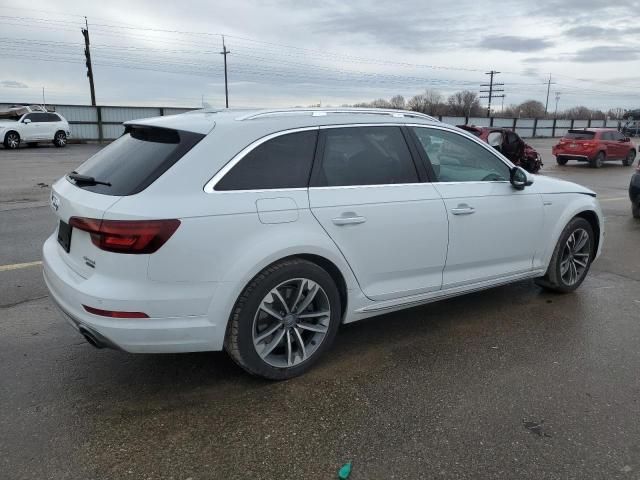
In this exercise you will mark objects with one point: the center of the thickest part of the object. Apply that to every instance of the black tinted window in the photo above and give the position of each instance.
(52, 117)
(455, 158)
(366, 156)
(282, 162)
(37, 117)
(136, 159)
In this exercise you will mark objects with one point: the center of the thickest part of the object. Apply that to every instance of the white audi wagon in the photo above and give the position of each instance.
(261, 232)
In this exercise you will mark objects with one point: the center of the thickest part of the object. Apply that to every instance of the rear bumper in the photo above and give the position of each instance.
(159, 334)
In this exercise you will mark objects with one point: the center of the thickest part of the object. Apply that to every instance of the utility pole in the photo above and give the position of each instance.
(491, 95)
(87, 54)
(546, 105)
(44, 103)
(555, 115)
(225, 52)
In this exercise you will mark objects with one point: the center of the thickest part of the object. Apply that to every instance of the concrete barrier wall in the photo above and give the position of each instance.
(104, 123)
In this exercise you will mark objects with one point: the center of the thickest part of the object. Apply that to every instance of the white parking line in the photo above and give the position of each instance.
(617, 199)
(18, 266)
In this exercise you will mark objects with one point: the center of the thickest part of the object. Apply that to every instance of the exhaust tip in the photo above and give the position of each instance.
(90, 338)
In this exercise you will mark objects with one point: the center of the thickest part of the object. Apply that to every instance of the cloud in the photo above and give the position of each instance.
(13, 84)
(512, 43)
(589, 32)
(606, 54)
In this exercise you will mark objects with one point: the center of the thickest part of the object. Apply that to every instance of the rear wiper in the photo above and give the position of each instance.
(86, 180)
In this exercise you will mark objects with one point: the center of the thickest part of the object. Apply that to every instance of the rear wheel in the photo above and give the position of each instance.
(562, 160)
(598, 160)
(635, 209)
(571, 258)
(60, 139)
(11, 140)
(284, 320)
(631, 156)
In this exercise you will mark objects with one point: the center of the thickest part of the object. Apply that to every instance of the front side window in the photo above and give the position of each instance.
(282, 162)
(365, 156)
(455, 158)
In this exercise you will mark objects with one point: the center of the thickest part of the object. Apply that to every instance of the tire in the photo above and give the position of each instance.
(281, 355)
(631, 156)
(598, 160)
(635, 209)
(12, 140)
(565, 277)
(60, 139)
(562, 160)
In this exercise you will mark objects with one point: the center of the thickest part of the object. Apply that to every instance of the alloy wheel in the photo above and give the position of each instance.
(291, 322)
(61, 139)
(575, 257)
(13, 140)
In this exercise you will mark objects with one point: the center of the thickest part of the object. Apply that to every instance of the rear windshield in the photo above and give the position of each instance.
(136, 159)
(580, 135)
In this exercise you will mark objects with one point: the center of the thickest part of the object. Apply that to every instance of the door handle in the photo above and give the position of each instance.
(355, 220)
(463, 209)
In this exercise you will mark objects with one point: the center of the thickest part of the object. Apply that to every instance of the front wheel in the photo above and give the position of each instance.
(284, 320)
(631, 156)
(571, 258)
(60, 139)
(12, 140)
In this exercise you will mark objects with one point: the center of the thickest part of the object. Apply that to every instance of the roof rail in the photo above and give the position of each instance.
(320, 112)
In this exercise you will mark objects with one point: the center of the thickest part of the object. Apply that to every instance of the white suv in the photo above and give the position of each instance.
(32, 125)
(260, 233)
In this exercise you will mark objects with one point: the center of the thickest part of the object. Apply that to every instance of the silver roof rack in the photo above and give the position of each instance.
(321, 112)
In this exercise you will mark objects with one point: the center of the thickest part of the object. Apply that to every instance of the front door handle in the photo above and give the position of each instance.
(463, 209)
(353, 220)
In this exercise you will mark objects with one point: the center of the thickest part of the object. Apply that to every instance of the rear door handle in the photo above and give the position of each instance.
(463, 209)
(355, 220)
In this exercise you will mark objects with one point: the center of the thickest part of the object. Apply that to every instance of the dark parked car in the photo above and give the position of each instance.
(510, 145)
(594, 145)
(634, 193)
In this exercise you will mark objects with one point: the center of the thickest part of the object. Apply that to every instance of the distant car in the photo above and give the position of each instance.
(634, 193)
(32, 125)
(594, 145)
(261, 232)
(510, 145)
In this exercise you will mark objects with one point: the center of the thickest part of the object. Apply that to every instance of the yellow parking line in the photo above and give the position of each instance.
(18, 266)
(613, 199)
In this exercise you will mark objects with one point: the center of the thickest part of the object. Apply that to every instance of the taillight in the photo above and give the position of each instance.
(127, 236)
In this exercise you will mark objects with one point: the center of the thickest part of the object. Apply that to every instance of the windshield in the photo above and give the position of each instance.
(136, 159)
(580, 135)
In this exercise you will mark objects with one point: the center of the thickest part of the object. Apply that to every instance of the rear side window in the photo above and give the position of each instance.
(580, 135)
(37, 117)
(52, 117)
(365, 156)
(136, 159)
(282, 162)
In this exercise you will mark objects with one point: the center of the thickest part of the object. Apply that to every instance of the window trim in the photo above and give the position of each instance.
(464, 134)
(209, 187)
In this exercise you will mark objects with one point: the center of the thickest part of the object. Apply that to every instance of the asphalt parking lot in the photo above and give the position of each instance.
(511, 382)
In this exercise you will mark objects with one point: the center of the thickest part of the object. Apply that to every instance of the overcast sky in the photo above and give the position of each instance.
(301, 52)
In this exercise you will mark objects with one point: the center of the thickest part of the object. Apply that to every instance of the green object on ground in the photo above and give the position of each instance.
(344, 471)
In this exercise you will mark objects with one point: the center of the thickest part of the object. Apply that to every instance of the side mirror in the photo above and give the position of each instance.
(26, 120)
(519, 178)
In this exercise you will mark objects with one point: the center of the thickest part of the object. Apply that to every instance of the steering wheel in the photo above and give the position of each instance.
(493, 177)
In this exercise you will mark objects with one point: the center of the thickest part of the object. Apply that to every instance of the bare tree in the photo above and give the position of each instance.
(531, 109)
(429, 102)
(397, 102)
(464, 103)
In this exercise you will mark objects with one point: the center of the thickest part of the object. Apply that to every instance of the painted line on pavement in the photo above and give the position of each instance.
(18, 266)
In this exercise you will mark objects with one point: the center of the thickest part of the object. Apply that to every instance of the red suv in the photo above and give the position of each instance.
(594, 145)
